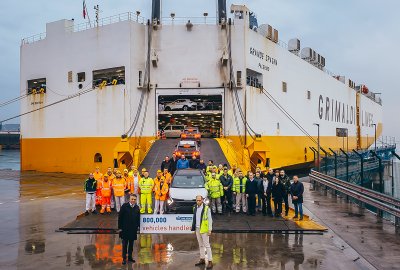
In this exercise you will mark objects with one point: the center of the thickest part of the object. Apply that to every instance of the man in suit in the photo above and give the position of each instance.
(128, 224)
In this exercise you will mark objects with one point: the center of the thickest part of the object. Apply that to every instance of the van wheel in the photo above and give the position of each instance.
(185, 108)
(167, 109)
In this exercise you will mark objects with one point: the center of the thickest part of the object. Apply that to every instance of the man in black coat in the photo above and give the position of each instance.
(172, 167)
(270, 176)
(202, 166)
(227, 182)
(277, 192)
(251, 192)
(286, 184)
(128, 224)
(296, 191)
(194, 163)
(166, 164)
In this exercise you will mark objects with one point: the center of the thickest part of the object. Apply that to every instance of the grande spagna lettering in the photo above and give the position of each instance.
(339, 112)
(263, 56)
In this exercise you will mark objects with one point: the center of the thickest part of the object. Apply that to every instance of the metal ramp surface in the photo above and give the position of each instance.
(209, 149)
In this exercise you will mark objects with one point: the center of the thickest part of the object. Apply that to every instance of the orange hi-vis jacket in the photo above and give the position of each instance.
(168, 178)
(110, 177)
(160, 192)
(118, 185)
(157, 181)
(106, 189)
(136, 188)
(99, 177)
(130, 185)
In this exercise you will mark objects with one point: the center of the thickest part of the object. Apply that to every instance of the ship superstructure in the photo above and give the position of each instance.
(123, 79)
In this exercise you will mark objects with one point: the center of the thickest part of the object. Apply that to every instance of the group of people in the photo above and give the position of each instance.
(112, 189)
(230, 190)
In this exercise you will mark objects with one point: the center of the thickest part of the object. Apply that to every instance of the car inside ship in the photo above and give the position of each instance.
(201, 111)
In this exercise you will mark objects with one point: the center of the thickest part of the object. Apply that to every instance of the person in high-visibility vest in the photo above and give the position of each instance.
(111, 178)
(105, 195)
(157, 179)
(146, 185)
(239, 190)
(215, 192)
(202, 225)
(160, 195)
(129, 184)
(99, 178)
(135, 185)
(167, 176)
(132, 170)
(213, 169)
(119, 190)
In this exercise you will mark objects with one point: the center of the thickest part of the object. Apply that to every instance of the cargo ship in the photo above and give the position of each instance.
(99, 93)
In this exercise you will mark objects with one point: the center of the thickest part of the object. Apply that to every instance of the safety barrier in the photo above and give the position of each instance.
(378, 200)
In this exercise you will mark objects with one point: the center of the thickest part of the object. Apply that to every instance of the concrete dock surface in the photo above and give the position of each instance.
(34, 205)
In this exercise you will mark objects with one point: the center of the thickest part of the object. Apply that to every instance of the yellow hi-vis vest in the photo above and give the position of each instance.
(203, 220)
(146, 185)
(214, 188)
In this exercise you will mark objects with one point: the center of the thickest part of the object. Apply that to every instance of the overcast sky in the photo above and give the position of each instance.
(359, 38)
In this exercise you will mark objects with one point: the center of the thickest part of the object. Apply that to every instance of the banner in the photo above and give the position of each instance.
(170, 223)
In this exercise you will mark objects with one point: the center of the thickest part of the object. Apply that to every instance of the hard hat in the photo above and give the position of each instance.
(125, 170)
(159, 171)
(118, 172)
(144, 170)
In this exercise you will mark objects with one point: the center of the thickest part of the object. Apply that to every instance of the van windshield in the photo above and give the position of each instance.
(188, 181)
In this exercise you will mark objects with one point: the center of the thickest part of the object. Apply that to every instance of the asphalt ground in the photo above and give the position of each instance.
(34, 205)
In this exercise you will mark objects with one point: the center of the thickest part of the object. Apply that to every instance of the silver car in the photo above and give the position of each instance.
(180, 105)
(173, 131)
(186, 185)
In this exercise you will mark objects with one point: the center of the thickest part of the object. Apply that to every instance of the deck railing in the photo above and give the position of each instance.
(127, 16)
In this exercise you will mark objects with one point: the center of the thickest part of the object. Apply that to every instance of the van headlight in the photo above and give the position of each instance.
(206, 201)
(170, 201)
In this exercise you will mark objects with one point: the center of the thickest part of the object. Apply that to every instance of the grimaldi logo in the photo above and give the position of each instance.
(333, 110)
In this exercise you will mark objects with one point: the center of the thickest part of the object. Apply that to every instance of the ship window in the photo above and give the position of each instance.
(36, 86)
(284, 87)
(140, 78)
(239, 78)
(254, 79)
(109, 76)
(69, 76)
(98, 157)
(81, 76)
(308, 94)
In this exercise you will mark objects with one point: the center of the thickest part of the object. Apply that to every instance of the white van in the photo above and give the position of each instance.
(173, 131)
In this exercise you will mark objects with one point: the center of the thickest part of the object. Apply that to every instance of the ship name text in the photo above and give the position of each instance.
(265, 57)
(333, 110)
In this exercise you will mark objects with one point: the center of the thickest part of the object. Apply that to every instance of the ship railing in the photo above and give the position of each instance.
(33, 38)
(185, 20)
(127, 16)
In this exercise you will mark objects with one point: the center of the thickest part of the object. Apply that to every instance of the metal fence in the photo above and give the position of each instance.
(365, 168)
